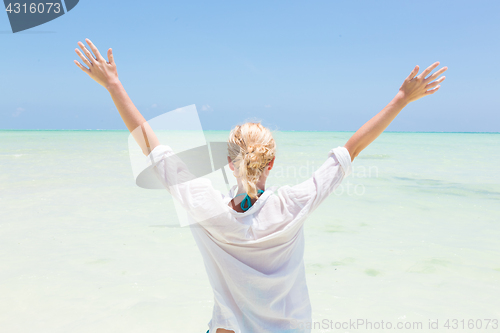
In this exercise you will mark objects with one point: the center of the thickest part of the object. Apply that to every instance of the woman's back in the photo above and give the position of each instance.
(254, 259)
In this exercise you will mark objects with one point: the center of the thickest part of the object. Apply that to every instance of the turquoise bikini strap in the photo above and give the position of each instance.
(247, 202)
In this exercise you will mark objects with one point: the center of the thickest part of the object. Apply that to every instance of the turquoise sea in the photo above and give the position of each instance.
(412, 236)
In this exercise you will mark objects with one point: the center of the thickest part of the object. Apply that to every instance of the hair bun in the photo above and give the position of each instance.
(256, 149)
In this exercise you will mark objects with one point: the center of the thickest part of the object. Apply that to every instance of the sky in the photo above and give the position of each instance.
(294, 65)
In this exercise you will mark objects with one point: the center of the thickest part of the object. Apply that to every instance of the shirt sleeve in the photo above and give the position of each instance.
(304, 198)
(195, 194)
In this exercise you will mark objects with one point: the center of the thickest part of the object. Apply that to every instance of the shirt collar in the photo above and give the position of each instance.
(255, 207)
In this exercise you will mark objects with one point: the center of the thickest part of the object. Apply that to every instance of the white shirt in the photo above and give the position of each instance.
(254, 260)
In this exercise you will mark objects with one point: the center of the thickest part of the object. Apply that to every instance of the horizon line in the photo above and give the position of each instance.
(126, 130)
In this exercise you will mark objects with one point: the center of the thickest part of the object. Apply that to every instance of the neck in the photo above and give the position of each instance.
(261, 185)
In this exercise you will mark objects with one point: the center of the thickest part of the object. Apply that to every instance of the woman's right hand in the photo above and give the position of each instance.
(416, 87)
(102, 71)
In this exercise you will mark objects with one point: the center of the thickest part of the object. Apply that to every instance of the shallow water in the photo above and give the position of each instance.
(411, 236)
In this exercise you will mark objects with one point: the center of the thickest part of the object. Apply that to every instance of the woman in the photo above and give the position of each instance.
(252, 240)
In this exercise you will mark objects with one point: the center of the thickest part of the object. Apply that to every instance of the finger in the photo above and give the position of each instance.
(87, 52)
(83, 68)
(94, 49)
(413, 73)
(111, 59)
(435, 75)
(435, 83)
(432, 91)
(84, 58)
(428, 70)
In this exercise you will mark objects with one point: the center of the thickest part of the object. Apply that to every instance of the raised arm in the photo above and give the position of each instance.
(105, 73)
(413, 88)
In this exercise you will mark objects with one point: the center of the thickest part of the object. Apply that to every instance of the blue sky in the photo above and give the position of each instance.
(294, 65)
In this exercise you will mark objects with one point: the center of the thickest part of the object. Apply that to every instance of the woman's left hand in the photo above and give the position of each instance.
(102, 71)
(416, 87)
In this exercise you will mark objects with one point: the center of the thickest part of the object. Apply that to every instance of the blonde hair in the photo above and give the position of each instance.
(251, 147)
